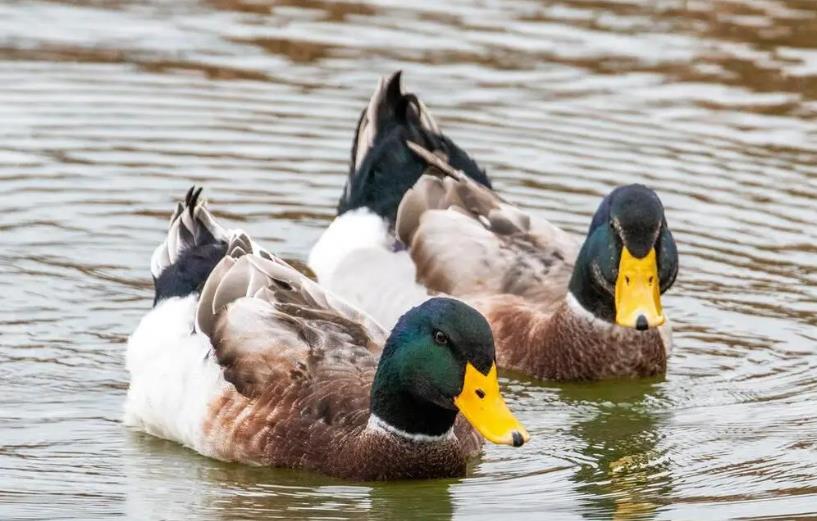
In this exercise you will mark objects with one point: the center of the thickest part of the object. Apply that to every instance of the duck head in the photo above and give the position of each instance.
(628, 260)
(438, 361)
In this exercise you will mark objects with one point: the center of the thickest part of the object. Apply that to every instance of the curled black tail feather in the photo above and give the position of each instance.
(383, 168)
(194, 245)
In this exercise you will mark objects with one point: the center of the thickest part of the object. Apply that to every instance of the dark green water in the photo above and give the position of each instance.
(109, 110)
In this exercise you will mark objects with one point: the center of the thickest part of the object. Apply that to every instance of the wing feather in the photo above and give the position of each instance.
(467, 241)
(268, 324)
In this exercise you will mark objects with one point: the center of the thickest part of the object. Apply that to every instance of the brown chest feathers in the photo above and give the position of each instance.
(325, 429)
(569, 344)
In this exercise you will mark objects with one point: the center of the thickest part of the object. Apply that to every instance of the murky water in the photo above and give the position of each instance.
(109, 110)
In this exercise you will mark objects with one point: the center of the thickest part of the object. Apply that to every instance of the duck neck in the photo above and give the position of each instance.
(590, 282)
(378, 425)
(588, 294)
(393, 403)
(397, 411)
(383, 452)
(577, 310)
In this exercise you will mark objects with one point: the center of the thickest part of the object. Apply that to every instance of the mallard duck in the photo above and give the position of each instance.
(419, 218)
(244, 359)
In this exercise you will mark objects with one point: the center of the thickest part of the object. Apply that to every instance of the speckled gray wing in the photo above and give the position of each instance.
(466, 241)
(269, 324)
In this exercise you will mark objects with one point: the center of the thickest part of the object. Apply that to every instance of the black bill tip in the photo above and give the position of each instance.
(518, 440)
(641, 323)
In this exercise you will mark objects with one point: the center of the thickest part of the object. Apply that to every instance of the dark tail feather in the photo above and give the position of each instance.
(382, 167)
(195, 243)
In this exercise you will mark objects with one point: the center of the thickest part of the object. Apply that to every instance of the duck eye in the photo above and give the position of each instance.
(440, 337)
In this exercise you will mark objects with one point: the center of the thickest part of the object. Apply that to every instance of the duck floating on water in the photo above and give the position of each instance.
(244, 359)
(418, 218)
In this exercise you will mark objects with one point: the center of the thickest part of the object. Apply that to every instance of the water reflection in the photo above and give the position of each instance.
(624, 472)
(166, 481)
(412, 501)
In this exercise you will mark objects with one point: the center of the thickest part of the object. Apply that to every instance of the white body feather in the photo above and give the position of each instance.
(354, 258)
(174, 377)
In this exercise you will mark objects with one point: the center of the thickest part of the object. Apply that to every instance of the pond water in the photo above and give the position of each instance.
(109, 110)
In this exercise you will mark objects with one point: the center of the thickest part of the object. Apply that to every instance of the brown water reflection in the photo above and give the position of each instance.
(111, 109)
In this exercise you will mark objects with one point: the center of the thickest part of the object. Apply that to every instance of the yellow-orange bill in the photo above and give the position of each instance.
(482, 405)
(638, 292)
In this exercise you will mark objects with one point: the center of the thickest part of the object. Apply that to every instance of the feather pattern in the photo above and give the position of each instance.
(269, 322)
(194, 243)
(466, 241)
(382, 167)
(376, 113)
(358, 246)
(190, 225)
(566, 342)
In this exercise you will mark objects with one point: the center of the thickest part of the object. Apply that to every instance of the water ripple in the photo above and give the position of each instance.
(111, 110)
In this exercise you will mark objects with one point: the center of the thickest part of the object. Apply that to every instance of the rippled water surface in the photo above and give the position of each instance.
(109, 110)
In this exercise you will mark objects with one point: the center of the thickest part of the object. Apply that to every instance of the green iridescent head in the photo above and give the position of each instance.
(440, 360)
(628, 260)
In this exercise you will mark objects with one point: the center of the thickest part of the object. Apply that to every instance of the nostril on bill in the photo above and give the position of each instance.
(641, 323)
(480, 393)
(518, 440)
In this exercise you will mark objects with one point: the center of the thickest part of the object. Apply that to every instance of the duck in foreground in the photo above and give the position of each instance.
(242, 358)
(418, 218)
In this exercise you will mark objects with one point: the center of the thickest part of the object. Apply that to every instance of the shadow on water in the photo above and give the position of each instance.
(624, 471)
(166, 481)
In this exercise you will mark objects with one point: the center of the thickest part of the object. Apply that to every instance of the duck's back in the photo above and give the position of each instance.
(466, 241)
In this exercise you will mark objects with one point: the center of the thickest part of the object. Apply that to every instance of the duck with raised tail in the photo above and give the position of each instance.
(419, 218)
(243, 358)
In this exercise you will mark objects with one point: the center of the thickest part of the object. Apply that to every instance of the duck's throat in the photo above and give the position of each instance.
(595, 300)
(579, 313)
(403, 414)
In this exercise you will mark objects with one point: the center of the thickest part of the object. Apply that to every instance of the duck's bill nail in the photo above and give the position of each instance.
(482, 405)
(638, 291)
